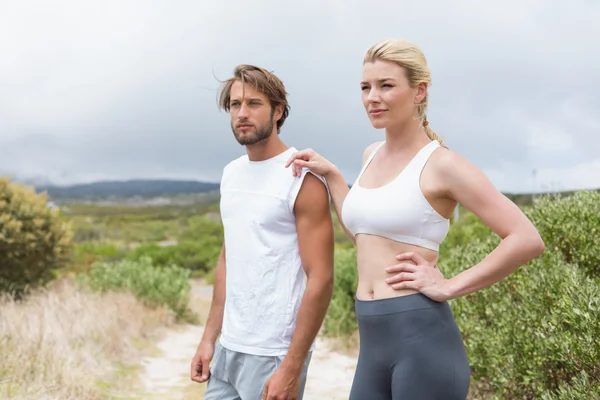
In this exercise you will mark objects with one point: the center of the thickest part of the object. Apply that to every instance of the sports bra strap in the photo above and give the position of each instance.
(369, 159)
(423, 156)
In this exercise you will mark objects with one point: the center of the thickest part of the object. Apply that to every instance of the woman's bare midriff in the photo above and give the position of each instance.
(374, 255)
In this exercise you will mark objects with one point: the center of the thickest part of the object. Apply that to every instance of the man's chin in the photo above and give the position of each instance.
(245, 139)
(249, 139)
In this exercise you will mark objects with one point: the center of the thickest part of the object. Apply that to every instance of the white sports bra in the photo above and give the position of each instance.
(398, 210)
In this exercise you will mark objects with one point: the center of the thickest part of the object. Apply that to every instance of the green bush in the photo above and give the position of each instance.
(87, 234)
(199, 256)
(581, 387)
(85, 254)
(341, 317)
(571, 224)
(468, 228)
(34, 241)
(202, 228)
(532, 331)
(198, 248)
(155, 286)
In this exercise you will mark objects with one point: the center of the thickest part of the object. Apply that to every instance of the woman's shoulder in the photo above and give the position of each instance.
(452, 171)
(369, 150)
(445, 160)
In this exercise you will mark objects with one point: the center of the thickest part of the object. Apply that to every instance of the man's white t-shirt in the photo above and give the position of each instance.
(265, 279)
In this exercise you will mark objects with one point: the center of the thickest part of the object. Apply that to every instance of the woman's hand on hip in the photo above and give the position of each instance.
(423, 277)
(310, 159)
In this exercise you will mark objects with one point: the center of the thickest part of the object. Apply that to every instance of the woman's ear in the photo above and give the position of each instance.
(421, 92)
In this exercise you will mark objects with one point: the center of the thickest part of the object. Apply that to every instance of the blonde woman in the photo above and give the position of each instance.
(397, 213)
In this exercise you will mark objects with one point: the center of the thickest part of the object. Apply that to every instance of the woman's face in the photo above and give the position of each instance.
(387, 94)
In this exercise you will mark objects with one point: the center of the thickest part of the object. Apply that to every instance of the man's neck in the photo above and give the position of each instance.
(268, 148)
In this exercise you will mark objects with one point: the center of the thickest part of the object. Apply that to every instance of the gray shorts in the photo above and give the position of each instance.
(240, 376)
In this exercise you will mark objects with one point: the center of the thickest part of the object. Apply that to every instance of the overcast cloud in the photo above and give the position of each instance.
(127, 89)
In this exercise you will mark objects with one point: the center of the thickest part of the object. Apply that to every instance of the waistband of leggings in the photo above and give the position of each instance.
(414, 301)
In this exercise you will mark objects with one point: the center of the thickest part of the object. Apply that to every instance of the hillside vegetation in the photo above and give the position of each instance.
(76, 315)
(531, 336)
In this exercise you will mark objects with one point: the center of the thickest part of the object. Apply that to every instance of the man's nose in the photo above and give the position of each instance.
(243, 111)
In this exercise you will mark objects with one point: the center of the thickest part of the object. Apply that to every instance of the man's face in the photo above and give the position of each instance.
(252, 119)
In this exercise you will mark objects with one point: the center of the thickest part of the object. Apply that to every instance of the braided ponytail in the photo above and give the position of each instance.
(430, 133)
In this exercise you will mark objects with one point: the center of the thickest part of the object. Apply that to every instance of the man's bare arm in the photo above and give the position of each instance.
(316, 242)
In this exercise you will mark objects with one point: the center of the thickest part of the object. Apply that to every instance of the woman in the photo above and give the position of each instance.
(398, 210)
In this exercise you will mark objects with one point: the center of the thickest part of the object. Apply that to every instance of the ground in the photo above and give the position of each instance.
(166, 375)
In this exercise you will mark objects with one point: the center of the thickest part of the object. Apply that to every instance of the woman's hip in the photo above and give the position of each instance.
(404, 319)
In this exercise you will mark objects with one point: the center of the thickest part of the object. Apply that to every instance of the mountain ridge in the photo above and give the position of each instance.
(127, 188)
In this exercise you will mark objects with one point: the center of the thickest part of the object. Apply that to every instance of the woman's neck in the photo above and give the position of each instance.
(406, 137)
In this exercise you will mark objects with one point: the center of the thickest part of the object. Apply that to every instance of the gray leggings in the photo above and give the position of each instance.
(410, 348)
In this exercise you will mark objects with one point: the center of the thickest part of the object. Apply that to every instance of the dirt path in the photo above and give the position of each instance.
(166, 375)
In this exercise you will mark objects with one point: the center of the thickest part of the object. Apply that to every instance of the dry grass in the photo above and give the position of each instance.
(66, 343)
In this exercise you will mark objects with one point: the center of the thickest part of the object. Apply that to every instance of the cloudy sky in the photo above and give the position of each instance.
(127, 89)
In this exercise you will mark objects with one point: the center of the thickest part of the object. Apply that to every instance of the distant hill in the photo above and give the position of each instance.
(129, 188)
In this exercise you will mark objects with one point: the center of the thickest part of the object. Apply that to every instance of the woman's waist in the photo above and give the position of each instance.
(399, 304)
(402, 318)
(377, 289)
(374, 256)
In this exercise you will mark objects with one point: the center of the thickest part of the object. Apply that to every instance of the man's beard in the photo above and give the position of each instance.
(262, 133)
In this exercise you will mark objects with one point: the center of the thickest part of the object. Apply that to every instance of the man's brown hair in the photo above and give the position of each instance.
(264, 81)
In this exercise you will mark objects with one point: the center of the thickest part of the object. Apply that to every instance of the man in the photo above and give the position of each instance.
(274, 278)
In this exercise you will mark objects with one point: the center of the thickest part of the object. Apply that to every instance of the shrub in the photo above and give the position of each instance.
(571, 224)
(87, 234)
(34, 241)
(155, 286)
(341, 317)
(199, 256)
(534, 330)
(581, 387)
(203, 227)
(85, 254)
(468, 228)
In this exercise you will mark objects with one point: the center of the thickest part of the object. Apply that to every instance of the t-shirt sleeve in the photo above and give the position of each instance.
(298, 185)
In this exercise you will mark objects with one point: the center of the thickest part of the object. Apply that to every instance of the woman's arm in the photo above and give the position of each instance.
(338, 188)
(521, 241)
(463, 182)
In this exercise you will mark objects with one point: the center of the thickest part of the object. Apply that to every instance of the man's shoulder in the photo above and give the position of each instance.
(230, 170)
(236, 162)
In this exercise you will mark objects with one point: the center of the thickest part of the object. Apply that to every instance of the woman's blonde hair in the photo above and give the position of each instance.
(411, 58)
